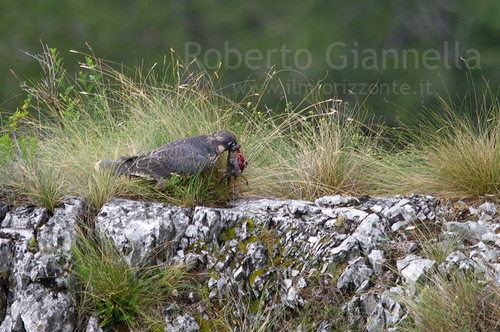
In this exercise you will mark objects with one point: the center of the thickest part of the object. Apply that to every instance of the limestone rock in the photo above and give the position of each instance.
(59, 234)
(25, 217)
(271, 252)
(356, 276)
(141, 229)
(472, 231)
(413, 268)
(377, 260)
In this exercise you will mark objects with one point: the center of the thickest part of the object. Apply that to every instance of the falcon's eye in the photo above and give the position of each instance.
(232, 145)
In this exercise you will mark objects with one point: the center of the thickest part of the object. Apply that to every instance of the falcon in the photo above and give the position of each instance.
(184, 157)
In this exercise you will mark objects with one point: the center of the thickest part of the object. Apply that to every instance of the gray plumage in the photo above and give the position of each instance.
(185, 157)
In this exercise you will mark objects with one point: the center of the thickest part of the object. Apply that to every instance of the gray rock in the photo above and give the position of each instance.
(274, 250)
(372, 312)
(181, 323)
(194, 261)
(333, 201)
(413, 268)
(293, 298)
(3, 304)
(35, 299)
(412, 247)
(356, 276)
(393, 309)
(257, 254)
(142, 229)
(93, 325)
(397, 226)
(456, 261)
(351, 214)
(25, 217)
(191, 231)
(301, 283)
(409, 214)
(483, 252)
(324, 326)
(376, 320)
(208, 223)
(6, 256)
(488, 208)
(301, 208)
(347, 250)
(394, 214)
(354, 314)
(377, 260)
(22, 222)
(59, 233)
(260, 282)
(496, 268)
(240, 273)
(4, 208)
(370, 233)
(37, 308)
(472, 231)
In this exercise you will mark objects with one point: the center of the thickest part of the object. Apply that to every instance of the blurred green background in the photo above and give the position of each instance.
(403, 52)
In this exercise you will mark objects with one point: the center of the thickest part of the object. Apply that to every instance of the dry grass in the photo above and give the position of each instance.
(455, 302)
(316, 148)
(327, 152)
(453, 154)
(41, 185)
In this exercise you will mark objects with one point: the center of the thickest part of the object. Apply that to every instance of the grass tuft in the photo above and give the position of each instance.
(327, 152)
(455, 303)
(41, 185)
(453, 154)
(119, 294)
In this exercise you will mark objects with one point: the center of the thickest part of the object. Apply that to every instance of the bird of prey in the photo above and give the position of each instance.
(184, 157)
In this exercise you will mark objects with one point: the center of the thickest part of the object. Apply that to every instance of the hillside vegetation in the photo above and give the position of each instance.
(304, 151)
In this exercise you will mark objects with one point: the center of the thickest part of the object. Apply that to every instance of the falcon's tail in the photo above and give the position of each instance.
(120, 166)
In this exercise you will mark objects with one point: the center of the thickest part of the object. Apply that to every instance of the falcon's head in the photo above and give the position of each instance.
(226, 141)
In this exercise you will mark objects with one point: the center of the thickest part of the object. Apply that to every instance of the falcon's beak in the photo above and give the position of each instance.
(235, 148)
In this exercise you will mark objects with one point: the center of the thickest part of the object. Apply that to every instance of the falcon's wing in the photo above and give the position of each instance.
(180, 159)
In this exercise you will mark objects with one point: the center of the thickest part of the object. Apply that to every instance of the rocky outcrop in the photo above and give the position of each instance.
(35, 248)
(358, 254)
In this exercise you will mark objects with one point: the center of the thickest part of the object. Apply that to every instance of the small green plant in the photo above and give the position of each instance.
(10, 148)
(33, 244)
(120, 294)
